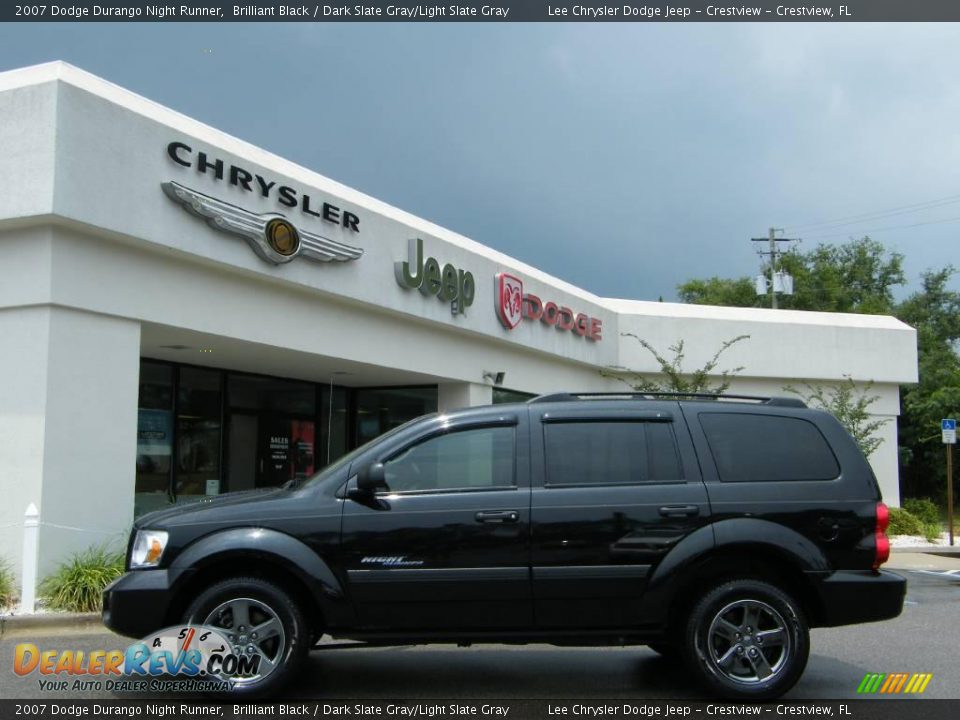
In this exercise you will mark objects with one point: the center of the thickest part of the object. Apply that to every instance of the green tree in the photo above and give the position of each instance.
(856, 277)
(737, 292)
(674, 378)
(848, 405)
(935, 313)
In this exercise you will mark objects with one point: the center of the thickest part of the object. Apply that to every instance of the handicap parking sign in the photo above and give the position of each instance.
(948, 428)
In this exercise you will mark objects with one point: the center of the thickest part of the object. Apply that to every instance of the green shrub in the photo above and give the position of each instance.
(924, 508)
(8, 587)
(904, 522)
(78, 584)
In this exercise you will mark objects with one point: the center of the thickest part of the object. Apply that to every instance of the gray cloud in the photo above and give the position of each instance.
(622, 157)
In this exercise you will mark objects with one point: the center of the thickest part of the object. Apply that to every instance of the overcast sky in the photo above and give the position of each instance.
(624, 158)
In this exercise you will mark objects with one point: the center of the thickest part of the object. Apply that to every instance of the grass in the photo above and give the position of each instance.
(8, 587)
(77, 585)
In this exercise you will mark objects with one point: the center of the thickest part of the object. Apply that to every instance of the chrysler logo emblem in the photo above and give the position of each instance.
(270, 235)
(509, 300)
(283, 237)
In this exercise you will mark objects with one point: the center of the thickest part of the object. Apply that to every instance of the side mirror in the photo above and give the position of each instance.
(371, 478)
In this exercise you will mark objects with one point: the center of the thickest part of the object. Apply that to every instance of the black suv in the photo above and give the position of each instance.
(715, 530)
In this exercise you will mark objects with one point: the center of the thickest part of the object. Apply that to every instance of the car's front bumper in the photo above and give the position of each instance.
(138, 602)
(858, 596)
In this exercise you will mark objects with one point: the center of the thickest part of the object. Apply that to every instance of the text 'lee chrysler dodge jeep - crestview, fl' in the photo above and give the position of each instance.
(715, 530)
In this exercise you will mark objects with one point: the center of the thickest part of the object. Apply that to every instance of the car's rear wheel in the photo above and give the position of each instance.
(747, 640)
(259, 619)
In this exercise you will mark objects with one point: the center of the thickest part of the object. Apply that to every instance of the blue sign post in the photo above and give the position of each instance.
(948, 429)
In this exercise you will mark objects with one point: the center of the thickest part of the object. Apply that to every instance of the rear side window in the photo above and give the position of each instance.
(610, 453)
(752, 448)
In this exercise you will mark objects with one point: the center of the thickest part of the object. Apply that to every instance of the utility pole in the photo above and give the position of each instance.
(774, 253)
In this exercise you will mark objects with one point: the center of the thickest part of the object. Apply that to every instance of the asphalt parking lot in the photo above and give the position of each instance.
(925, 638)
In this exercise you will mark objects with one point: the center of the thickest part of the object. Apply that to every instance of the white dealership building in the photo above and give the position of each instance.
(184, 314)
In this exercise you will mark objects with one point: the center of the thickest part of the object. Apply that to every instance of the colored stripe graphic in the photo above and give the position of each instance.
(889, 683)
(894, 683)
(870, 682)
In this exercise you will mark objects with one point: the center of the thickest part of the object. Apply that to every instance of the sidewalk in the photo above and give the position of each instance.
(939, 558)
(50, 623)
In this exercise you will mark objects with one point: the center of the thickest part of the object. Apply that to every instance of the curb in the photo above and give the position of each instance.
(50, 623)
(941, 550)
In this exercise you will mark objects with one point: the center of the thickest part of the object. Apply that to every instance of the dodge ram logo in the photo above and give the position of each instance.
(509, 300)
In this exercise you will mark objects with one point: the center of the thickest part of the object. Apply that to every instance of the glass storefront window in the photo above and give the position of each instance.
(203, 432)
(285, 397)
(154, 435)
(382, 409)
(502, 395)
(198, 433)
(334, 433)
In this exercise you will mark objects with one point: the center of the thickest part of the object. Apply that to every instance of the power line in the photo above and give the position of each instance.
(889, 227)
(879, 214)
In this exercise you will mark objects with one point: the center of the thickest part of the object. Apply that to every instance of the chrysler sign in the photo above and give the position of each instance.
(284, 195)
(270, 235)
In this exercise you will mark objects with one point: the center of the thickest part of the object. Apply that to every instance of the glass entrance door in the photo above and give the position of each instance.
(267, 450)
(286, 450)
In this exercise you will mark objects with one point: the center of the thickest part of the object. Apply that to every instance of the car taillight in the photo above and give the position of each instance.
(882, 552)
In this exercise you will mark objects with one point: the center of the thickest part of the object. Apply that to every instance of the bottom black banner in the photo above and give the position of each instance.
(892, 709)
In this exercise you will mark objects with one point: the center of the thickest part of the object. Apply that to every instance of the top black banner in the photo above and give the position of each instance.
(468, 11)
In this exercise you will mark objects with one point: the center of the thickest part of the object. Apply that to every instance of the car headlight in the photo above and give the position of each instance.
(148, 548)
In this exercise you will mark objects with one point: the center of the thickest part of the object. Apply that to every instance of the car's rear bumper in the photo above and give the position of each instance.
(858, 596)
(137, 603)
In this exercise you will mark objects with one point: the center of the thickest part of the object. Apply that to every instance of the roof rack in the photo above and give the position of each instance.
(759, 400)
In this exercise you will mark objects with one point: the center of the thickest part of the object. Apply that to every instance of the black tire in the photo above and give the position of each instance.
(283, 645)
(747, 640)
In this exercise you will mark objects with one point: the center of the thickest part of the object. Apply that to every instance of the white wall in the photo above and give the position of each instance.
(68, 419)
(27, 133)
(23, 401)
(90, 433)
(451, 396)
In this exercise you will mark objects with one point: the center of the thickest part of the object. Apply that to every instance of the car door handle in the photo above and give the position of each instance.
(497, 516)
(677, 511)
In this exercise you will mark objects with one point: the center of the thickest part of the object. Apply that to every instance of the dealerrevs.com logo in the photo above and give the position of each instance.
(190, 658)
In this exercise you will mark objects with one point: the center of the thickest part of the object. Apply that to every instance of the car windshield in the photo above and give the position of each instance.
(344, 461)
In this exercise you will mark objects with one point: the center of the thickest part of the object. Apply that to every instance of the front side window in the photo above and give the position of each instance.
(474, 459)
(610, 453)
(753, 448)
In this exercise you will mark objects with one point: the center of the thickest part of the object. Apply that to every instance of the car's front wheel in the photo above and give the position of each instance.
(747, 640)
(260, 620)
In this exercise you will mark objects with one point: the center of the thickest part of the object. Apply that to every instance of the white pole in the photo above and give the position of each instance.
(31, 539)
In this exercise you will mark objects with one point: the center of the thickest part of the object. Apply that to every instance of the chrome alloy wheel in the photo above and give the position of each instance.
(748, 642)
(253, 628)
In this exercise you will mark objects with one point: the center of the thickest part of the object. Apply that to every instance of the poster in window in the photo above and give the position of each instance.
(302, 433)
